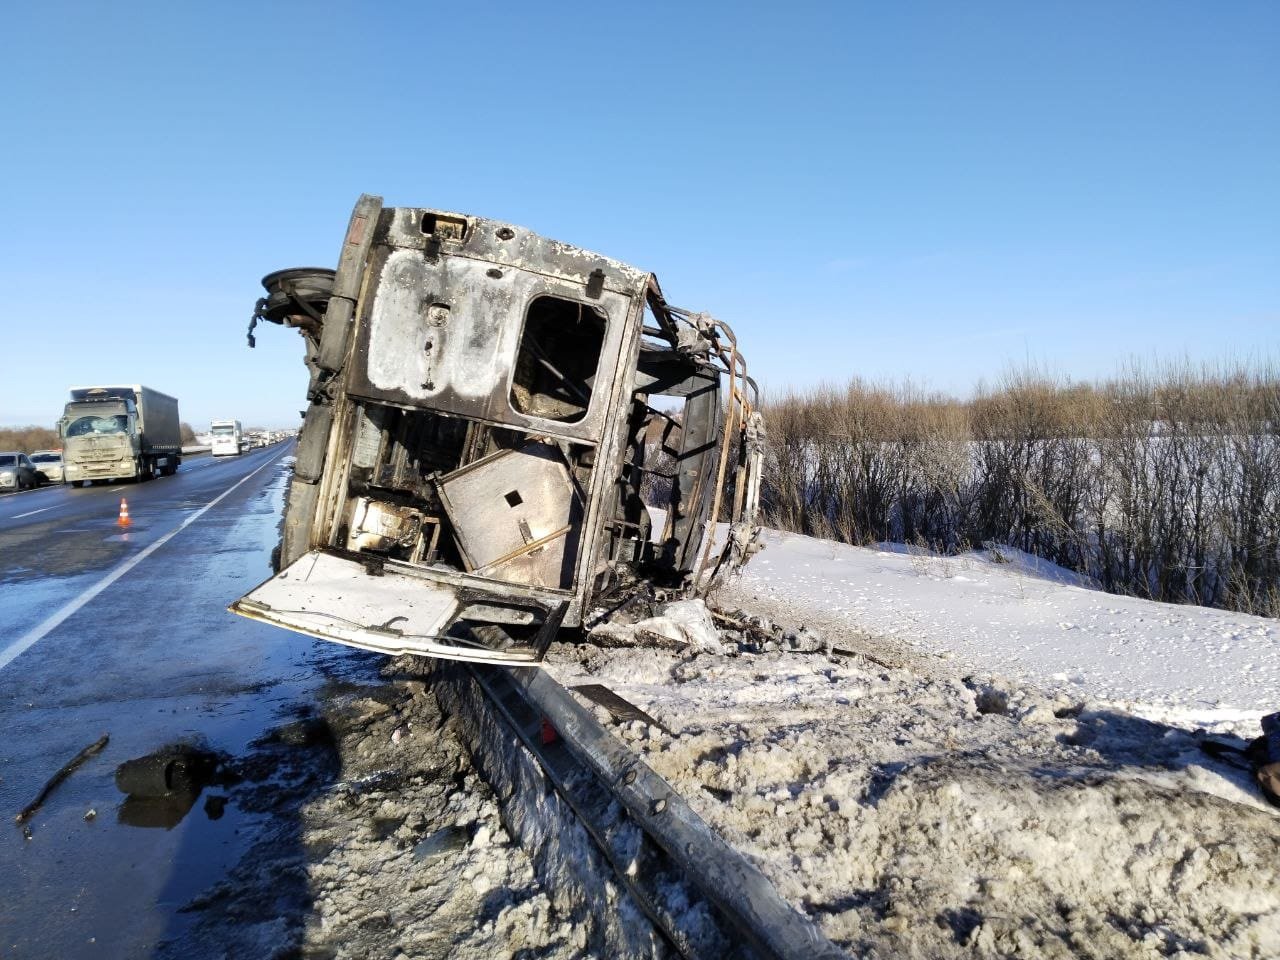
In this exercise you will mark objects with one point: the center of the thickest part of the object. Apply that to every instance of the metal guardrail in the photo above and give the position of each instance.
(603, 781)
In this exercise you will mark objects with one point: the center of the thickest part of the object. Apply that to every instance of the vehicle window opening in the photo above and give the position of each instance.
(442, 227)
(556, 364)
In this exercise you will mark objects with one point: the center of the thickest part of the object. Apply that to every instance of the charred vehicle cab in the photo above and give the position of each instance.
(469, 470)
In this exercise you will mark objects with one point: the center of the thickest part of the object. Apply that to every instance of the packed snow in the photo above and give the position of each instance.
(956, 757)
(1004, 611)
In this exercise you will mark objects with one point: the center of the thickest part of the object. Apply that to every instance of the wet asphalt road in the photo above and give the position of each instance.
(149, 658)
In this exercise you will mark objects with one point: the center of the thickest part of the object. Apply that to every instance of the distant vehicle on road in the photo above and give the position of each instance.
(17, 472)
(49, 463)
(119, 432)
(227, 438)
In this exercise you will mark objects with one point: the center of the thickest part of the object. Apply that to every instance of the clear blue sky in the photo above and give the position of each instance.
(922, 190)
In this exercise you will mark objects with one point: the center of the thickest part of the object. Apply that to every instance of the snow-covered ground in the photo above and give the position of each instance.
(1027, 620)
(953, 760)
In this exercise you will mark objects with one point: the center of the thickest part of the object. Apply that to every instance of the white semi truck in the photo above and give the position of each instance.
(119, 432)
(227, 438)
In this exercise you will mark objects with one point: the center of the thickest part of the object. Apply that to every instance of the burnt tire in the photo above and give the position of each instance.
(163, 775)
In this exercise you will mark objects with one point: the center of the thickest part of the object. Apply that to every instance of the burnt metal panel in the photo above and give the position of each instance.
(516, 515)
(444, 336)
(500, 244)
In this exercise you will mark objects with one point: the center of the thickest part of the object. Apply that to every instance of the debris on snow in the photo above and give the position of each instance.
(920, 810)
(684, 624)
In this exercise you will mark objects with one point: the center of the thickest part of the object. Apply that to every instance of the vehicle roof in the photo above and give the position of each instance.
(115, 392)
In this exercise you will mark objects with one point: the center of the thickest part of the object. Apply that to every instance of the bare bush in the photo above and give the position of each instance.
(29, 439)
(1163, 484)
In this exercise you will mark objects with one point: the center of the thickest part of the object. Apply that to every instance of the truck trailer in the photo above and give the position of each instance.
(119, 432)
(226, 438)
(469, 473)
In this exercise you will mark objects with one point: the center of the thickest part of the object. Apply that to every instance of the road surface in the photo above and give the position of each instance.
(123, 631)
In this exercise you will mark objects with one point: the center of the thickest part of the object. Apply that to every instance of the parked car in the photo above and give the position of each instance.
(17, 472)
(49, 464)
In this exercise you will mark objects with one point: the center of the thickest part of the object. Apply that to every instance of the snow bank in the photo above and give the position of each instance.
(947, 816)
(1191, 666)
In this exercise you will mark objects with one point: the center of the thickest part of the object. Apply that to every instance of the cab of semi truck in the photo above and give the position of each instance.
(99, 432)
(226, 438)
(469, 473)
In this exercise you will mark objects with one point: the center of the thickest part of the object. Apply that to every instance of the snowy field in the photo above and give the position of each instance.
(1030, 621)
(958, 757)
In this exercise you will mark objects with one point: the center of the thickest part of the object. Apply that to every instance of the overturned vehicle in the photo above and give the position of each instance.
(482, 403)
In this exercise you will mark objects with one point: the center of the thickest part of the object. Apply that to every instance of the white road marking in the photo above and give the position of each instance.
(39, 632)
(30, 513)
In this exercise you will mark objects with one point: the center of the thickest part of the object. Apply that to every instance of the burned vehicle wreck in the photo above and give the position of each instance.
(481, 404)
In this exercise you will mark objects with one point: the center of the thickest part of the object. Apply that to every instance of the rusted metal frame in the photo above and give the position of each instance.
(740, 473)
(465, 580)
(609, 456)
(305, 509)
(746, 409)
(692, 427)
(718, 495)
(662, 311)
(740, 410)
(739, 493)
(339, 317)
(341, 422)
(521, 551)
(334, 486)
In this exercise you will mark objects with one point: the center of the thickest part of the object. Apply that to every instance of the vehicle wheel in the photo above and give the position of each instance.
(174, 770)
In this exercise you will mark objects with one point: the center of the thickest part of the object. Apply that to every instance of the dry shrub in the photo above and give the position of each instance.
(1164, 484)
(29, 439)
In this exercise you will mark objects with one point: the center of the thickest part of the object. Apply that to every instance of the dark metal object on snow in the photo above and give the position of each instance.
(619, 708)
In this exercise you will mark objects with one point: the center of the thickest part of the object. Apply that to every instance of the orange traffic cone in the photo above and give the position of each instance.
(124, 520)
